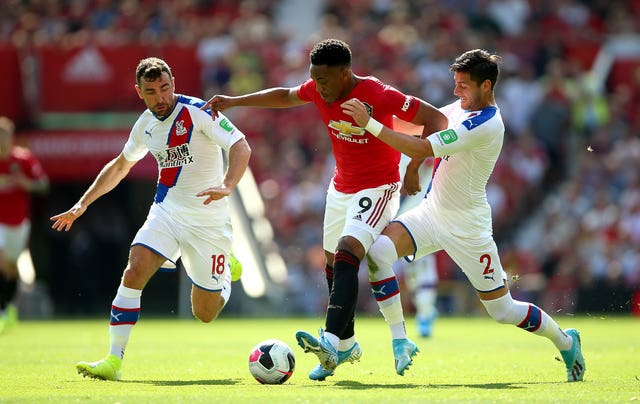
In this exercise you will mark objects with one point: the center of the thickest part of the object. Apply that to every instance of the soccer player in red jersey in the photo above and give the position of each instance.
(20, 175)
(362, 198)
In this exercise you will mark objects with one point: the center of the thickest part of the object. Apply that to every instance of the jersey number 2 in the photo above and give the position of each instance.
(487, 268)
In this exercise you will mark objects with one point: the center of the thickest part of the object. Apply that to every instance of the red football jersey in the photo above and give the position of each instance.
(14, 201)
(362, 161)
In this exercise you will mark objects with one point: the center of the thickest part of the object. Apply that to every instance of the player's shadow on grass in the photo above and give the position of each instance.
(176, 383)
(484, 386)
(350, 384)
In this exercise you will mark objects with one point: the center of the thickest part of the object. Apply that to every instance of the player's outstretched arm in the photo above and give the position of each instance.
(411, 146)
(239, 155)
(110, 176)
(277, 97)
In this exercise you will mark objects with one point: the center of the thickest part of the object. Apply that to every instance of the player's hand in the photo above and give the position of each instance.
(356, 109)
(64, 221)
(214, 194)
(217, 103)
(411, 182)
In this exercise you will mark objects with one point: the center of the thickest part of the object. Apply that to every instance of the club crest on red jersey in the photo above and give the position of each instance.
(346, 128)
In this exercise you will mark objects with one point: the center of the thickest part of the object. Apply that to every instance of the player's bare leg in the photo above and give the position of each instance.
(125, 311)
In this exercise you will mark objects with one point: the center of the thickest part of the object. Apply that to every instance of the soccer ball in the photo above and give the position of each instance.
(271, 362)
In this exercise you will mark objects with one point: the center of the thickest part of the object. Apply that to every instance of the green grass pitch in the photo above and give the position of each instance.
(184, 361)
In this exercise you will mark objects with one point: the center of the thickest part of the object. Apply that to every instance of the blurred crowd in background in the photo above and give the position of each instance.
(565, 193)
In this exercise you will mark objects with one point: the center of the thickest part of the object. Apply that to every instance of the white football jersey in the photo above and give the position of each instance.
(187, 144)
(466, 154)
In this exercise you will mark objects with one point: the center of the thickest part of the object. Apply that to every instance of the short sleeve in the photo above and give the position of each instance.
(223, 131)
(455, 140)
(305, 90)
(403, 106)
(134, 149)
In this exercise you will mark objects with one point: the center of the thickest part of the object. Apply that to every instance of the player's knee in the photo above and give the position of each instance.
(207, 312)
(137, 274)
(205, 315)
(501, 317)
(9, 269)
(501, 309)
(381, 255)
(130, 276)
(134, 277)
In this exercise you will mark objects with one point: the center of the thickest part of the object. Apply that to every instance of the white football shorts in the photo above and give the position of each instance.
(362, 215)
(204, 250)
(14, 239)
(477, 257)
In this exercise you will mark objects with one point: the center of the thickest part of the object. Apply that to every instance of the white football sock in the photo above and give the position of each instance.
(125, 311)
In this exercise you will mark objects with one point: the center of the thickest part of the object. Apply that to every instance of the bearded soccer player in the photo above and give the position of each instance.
(455, 215)
(190, 214)
(362, 198)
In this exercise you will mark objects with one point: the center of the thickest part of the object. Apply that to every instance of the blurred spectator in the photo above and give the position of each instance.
(590, 111)
(519, 95)
(511, 15)
(551, 119)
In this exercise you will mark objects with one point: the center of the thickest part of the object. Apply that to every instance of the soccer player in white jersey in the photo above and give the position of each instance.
(190, 214)
(455, 215)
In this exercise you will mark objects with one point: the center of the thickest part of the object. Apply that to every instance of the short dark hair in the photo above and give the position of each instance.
(480, 64)
(151, 69)
(331, 52)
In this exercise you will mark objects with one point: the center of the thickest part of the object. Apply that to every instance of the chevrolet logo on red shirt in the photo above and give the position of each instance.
(346, 128)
